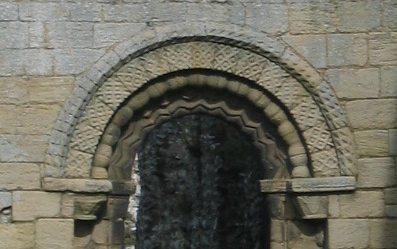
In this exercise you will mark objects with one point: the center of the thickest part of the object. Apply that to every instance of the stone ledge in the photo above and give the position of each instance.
(77, 185)
(309, 185)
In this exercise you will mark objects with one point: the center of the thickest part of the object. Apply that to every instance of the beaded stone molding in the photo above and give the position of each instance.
(318, 134)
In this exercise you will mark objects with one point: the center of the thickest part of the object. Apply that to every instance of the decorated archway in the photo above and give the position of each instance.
(298, 124)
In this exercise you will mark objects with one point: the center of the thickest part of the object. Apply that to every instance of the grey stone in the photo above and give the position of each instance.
(376, 172)
(85, 11)
(8, 11)
(126, 13)
(13, 35)
(355, 83)
(391, 211)
(70, 34)
(348, 233)
(12, 62)
(347, 50)
(383, 233)
(23, 148)
(37, 35)
(393, 142)
(5, 200)
(389, 14)
(372, 142)
(358, 16)
(77, 185)
(31, 11)
(383, 48)
(106, 34)
(322, 184)
(388, 83)
(391, 196)
(269, 18)
(74, 61)
(38, 62)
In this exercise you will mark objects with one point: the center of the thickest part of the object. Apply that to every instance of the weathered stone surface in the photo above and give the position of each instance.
(358, 16)
(106, 34)
(49, 89)
(85, 11)
(13, 34)
(372, 114)
(13, 90)
(273, 186)
(389, 13)
(333, 206)
(37, 35)
(347, 50)
(5, 200)
(391, 211)
(54, 233)
(391, 196)
(376, 172)
(388, 83)
(17, 236)
(383, 233)
(362, 204)
(312, 47)
(38, 62)
(355, 83)
(19, 176)
(269, 18)
(372, 142)
(383, 48)
(8, 11)
(348, 233)
(74, 61)
(67, 205)
(122, 13)
(15, 62)
(29, 205)
(36, 119)
(312, 207)
(393, 142)
(311, 17)
(7, 125)
(27, 148)
(322, 184)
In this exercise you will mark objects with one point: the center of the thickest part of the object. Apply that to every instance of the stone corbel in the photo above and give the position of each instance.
(310, 195)
(88, 207)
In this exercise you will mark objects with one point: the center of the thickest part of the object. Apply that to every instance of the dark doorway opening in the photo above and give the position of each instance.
(199, 187)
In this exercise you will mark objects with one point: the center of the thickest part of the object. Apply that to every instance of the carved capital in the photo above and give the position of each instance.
(87, 207)
(312, 207)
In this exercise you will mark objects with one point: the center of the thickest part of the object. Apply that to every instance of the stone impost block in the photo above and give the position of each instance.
(372, 114)
(348, 233)
(347, 50)
(54, 233)
(322, 184)
(355, 83)
(29, 205)
(19, 176)
(388, 81)
(17, 235)
(362, 204)
(383, 48)
(312, 47)
(77, 185)
(358, 16)
(383, 233)
(372, 143)
(376, 172)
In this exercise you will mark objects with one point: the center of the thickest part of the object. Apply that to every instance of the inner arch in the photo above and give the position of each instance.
(199, 180)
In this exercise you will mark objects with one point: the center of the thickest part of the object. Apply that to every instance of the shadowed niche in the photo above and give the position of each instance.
(199, 180)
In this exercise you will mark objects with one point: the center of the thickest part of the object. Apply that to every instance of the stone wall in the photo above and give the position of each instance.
(47, 46)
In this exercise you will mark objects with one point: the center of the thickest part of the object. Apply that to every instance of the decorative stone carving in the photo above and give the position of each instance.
(87, 207)
(312, 207)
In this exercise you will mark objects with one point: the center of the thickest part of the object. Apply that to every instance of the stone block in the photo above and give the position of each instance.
(50, 89)
(8, 122)
(391, 211)
(391, 196)
(27, 148)
(311, 47)
(347, 50)
(13, 90)
(38, 62)
(54, 233)
(36, 119)
(34, 11)
(372, 114)
(13, 35)
(67, 205)
(86, 11)
(362, 204)
(277, 230)
(348, 233)
(383, 233)
(74, 61)
(372, 142)
(19, 176)
(269, 18)
(9, 11)
(333, 206)
(128, 12)
(388, 81)
(312, 17)
(37, 35)
(355, 83)
(29, 205)
(233, 12)
(106, 34)
(15, 59)
(358, 16)
(17, 235)
(376, 172)
(383, 48)
(77, 185)
(5, 200)
(70, 34)
(389, 14)
(393, 142)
